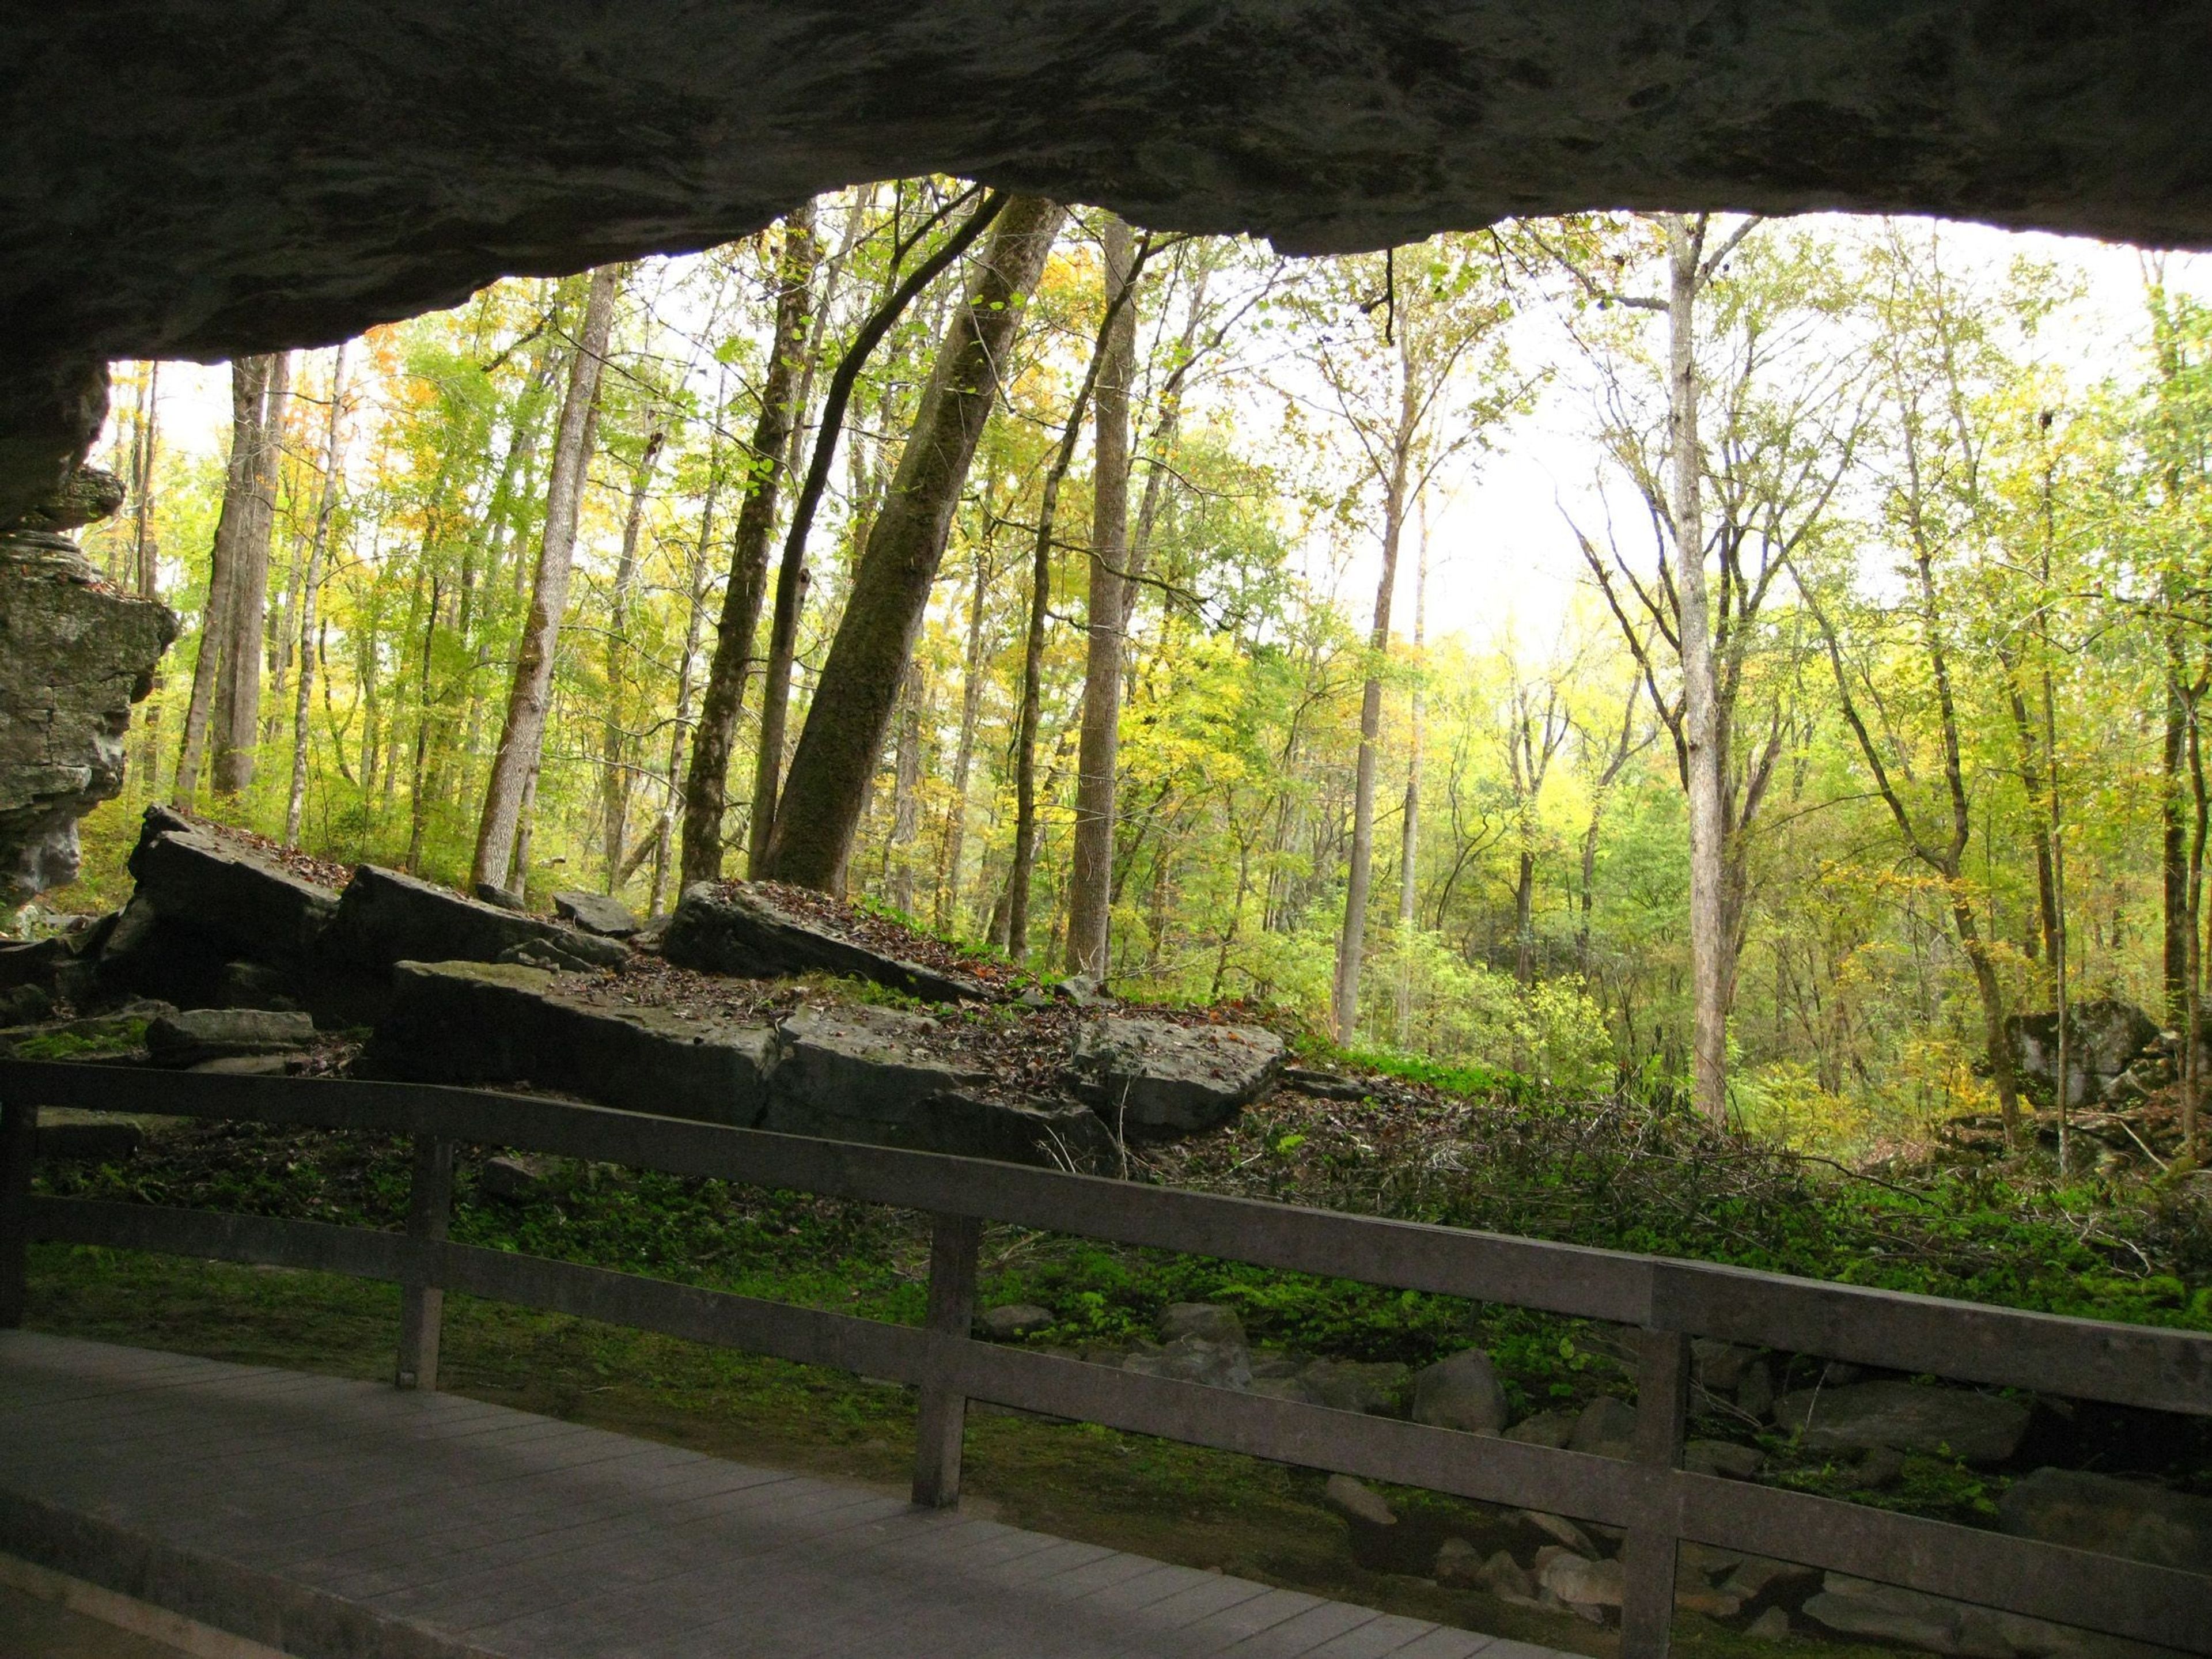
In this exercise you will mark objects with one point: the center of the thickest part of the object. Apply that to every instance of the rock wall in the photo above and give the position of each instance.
(75, 654)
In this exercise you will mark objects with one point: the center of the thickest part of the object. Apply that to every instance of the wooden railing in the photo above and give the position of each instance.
(1656, 1503)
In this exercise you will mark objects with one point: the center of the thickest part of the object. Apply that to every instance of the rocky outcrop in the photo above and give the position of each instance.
(1153, 1077)
(741, 928)
(1905, 1417)
(2105, 1038)
(75, 654)
(217, 887)
(595, 913)
(2102, 1512)
(385, 917)
(491, 1023)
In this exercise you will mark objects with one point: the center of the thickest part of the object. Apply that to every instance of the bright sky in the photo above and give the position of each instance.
(1501, 557)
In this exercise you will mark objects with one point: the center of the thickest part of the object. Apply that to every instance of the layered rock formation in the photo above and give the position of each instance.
(75, 654)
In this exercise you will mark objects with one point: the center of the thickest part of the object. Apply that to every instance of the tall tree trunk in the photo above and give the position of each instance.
(236, 727)
(906, 789)
(614, 737)
(681, 723)
(791, 576)
(1091, 875)
(1351, 942)
(310, 587)
(2174, 861)
(836, 758)
(515, 768)
(706, 792)
(249, 402)
(964, 756)
(146, 559)
(1409, 824)
(1710, 958)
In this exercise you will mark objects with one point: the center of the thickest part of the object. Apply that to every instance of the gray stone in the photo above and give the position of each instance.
(24, 1004)
(1296, 1389)
(90, 494)
(225, 889)
(1880, 1468)
(862, 1073)
(1754, 1391)
(75, 654)
(2114, 1516)
(1720, 1366)
(595, 913)
(269, 1064)
(1154, 1077)
(1350, 1386)
(485, 1022)
(1722, 1457)
(2103, 1038)
(1579, 1581)
(505, 898)
(1553, 1429)
(1910, 1416)
(740, 928)
(198, 1034)
(1853, 1606)
(511, 1180)
(1209, 1320)
(1758, 1575)
(1194, 1359)
(1458, 1564)
(1013, 1321)
(1557, 1529)
(1461, 1392)
(385, 917)
(1357, 1501)
(1770, 1626)
(1605, 1426)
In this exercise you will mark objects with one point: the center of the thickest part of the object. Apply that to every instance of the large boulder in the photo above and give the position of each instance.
(2114, 1516)
(743, 928)
(2104, 1037)
(595, 913)
(1907, 1416)
(1461, 1392)
(480, 1023)
(883, 1075)
(385, 918)
(201, 1033)
(1149, 1077)
(222, 890)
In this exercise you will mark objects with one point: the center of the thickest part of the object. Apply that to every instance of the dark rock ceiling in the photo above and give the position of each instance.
(202, 177)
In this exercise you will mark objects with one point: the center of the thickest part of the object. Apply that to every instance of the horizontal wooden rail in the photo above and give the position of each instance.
(1655, 1501)
(2131, 1366)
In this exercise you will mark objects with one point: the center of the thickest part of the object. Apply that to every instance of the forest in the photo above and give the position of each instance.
(1095, 598)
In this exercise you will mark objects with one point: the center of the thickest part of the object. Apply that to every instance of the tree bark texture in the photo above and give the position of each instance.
(615, 759)
(706, 791)
(835, 761)
(311, 578)
(515, 766)
(1090, 886)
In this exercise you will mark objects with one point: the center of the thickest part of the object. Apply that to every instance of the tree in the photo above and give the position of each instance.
(1090, 885)
(706, 789)
(311, 579)
(227, 677)
(842, 741)
(523, 735)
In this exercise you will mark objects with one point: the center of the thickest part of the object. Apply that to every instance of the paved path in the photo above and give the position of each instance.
(329, 1517)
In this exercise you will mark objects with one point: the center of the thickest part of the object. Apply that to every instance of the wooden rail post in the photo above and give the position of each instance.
(943, 1414)
(422, 1298)
(19, 1145)
(1647, 1558)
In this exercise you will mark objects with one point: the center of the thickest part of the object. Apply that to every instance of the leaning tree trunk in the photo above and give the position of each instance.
(1091, 877)
(514, 767)
(811, 837)
(249, 398)
(706, 791)
(237, 724)
(791, 576)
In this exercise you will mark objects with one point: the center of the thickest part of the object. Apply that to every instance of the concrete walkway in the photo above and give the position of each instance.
(332, 1518)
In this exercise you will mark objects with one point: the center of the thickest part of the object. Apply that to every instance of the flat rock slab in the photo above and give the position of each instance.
(385, 917)
(482, 1022)
(595, 913)
(1908, 1417)
(328, 1517)
(194, 878)
(1149, 1077)
(198, 1034)
(740, 929)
